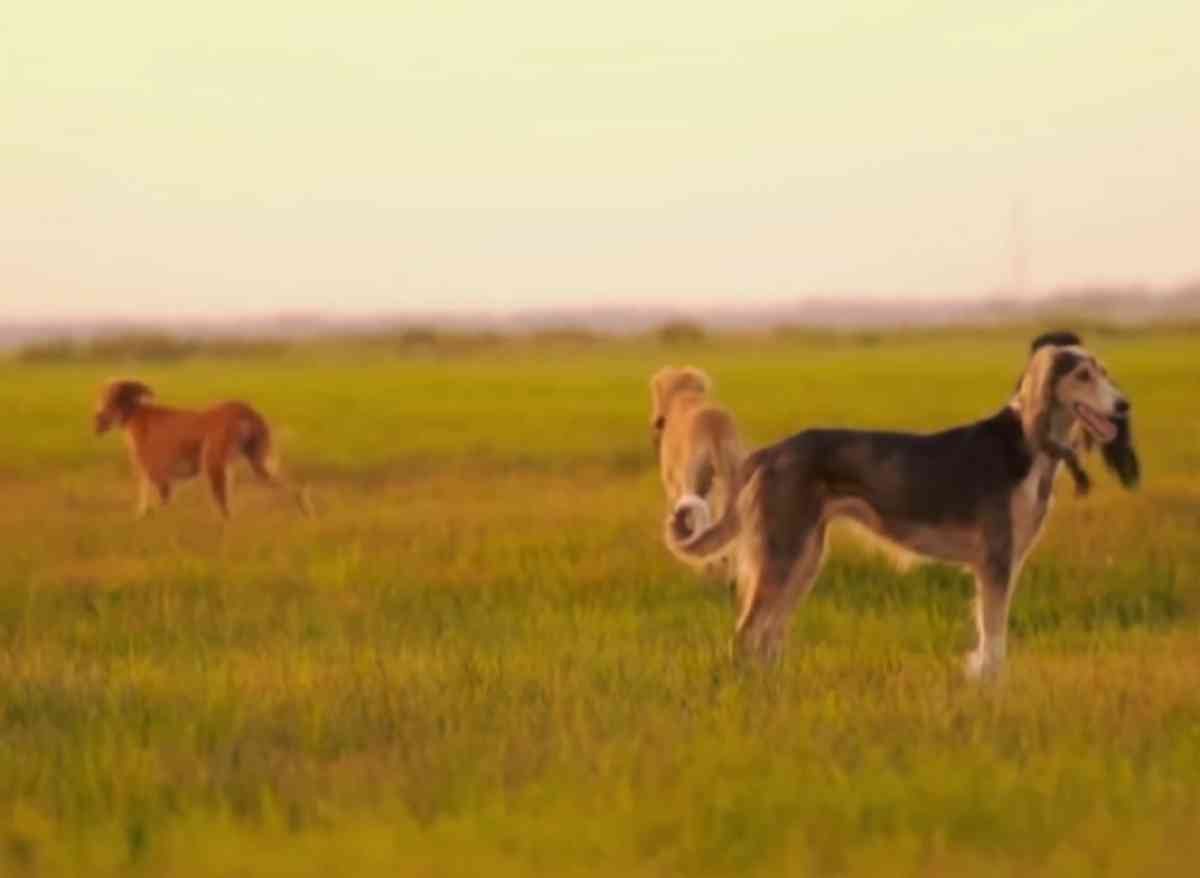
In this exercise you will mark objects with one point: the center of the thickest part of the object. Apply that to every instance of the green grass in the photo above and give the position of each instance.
(479, 660)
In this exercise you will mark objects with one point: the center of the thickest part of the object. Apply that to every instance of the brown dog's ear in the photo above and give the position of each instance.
(121, 397)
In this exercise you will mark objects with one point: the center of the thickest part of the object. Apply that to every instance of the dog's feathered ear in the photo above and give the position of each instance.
(1062, 338)
(1120, 457)
(657, 386)
(1034, 394)
(123, 395)
(669, 381)
(1057, 338)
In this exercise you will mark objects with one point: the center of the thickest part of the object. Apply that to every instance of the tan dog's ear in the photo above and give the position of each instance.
(670, 381)
(657, 388)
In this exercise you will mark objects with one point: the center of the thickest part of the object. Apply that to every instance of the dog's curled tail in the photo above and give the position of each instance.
(691, 534)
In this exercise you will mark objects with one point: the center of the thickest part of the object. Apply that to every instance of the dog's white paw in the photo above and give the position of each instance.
(980, 665)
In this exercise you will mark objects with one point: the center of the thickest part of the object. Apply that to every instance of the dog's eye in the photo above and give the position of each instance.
(1084, 376)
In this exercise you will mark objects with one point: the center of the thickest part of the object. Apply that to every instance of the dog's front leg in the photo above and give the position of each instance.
(145, 488)
(993, 583)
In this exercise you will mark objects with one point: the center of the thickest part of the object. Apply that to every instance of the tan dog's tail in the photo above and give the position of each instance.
(690, 534)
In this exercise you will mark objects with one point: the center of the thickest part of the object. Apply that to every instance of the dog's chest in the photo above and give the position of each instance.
(1030, 502)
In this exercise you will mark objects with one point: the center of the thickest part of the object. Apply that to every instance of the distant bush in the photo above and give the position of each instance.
(145, 347)
(680, 332)
(151, 347)
(421, 340)
(54, 350)
(570, 335)
(417, 335)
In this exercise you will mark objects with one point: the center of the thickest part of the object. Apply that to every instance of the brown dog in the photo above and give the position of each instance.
(699, 452)
(169, 445)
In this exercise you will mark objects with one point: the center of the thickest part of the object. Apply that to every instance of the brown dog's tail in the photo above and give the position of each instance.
(253, 436)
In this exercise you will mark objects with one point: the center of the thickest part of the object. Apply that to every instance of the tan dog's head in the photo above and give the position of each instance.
(667, 384)
(1067, 396)
(118, 401)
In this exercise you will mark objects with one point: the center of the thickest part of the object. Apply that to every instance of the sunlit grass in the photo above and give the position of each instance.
(478, 659)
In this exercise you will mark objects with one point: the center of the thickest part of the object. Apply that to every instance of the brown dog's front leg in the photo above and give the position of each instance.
(143, 499)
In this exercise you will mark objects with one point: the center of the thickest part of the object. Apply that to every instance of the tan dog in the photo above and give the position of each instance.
(699, 453)
(169, 445)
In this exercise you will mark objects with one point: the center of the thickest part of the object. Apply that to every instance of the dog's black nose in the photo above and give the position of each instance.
(1123, 407)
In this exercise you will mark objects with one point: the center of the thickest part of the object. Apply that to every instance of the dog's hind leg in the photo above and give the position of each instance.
(765, 623)
(268, 476)
(258, 454)
(216, 467)
(780, 573)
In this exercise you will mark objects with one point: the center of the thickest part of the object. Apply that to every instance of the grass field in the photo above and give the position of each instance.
(478, 659)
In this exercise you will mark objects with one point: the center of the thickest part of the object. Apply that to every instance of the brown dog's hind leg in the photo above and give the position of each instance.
(258, 454)
(216, 468)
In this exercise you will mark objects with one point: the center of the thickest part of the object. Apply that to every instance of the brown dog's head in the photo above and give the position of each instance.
(668, 383)
(1066, 396)
(118, 401)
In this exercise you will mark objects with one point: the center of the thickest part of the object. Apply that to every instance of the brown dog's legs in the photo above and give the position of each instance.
(215, 466)
(261, 465)
(142, 506)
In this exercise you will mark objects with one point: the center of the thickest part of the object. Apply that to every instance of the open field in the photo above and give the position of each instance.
(478, 659)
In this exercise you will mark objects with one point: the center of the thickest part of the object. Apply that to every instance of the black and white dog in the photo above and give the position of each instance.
(975, 495)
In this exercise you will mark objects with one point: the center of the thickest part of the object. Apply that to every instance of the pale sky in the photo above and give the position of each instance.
(212, 159)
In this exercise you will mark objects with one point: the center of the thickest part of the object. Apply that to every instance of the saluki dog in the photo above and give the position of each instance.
(168, 445)
(696, 441)
(975, 495)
